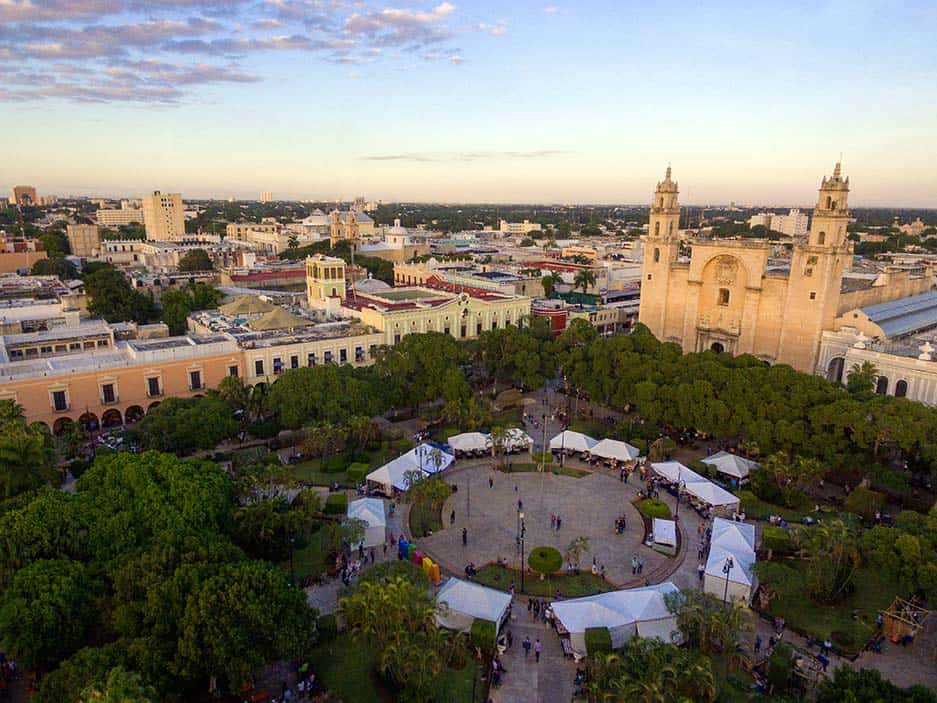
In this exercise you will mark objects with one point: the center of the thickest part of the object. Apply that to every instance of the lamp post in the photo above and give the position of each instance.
(523, 532)
(727, 569)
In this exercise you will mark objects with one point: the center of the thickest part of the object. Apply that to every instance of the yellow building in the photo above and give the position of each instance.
(164, 216)
(84, 240)
(726, 298)
(325, 278)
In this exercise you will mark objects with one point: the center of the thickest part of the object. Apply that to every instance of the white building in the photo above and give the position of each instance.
(116, 218)
(794, 224)
(519, 228)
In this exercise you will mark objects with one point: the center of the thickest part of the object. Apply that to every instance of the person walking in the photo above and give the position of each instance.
(510, 639)
(552, 521)
(700, 551)
(640, 566)
(559, 522)
(491, 482)
(634, 564)
(452, 518)
(757, 644)
(464, 536)
(702, 573)
(537, 649)
(526, 646)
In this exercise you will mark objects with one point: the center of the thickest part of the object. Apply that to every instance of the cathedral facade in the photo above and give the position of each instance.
(726, 298)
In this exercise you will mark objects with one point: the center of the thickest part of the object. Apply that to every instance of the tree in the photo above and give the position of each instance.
(575, 550)
(182, 425)
(196, 260)
(292, 242)
(781, 480)
(869, 686)
(25, 451)
(861, 380)
(833, 553)
(113, 298)
(584, 279)
(549, 283)
(55, 266)
(177, 304)
(45, 612)
(706, 623)
(122, 686)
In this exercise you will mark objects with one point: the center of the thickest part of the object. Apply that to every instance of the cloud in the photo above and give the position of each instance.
(468, 156)
(495, 30)
(551, 9)
(394, 27)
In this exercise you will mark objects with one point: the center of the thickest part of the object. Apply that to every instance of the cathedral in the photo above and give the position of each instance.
(727, 298)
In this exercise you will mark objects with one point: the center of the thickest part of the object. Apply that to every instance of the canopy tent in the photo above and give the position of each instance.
(638, 611)
(665, 532)
(425, 459)
(470, 442)
(246, 305)
(736, 541)
(675, 472)
(573, 441)
(278, 319)
(731, 465)
(465, 601)
(516, 439)
(613, 449)
(713, 495)
(371, 511)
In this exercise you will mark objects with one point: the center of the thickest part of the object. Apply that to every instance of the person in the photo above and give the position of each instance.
(634, 564)
(701, 569)
(552, 521)
(491, 482)
(757, 644)
(537, 649)
(559, 521)
(640, 566)
(526, 646)
(372, 555)
(530, 605)
(510, 639)
(452, 518)
(464, 536)
(385, 549)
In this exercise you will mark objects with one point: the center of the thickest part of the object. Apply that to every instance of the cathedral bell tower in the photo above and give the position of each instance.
(817, 265)
(661, 248)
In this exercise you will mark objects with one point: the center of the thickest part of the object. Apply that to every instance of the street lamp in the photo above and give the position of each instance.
(727, 569)
(523, 532)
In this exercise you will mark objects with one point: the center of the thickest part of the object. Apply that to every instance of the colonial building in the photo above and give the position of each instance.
(726, 298)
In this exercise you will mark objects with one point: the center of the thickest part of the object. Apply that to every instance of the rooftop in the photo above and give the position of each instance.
(905, 316)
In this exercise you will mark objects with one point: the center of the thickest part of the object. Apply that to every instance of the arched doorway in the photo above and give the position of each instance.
(881, 386)
(63, 425)
(152, 405)
(901, 389)
(718, 347)
(89, 422)
(134, 414)
(111, 418)
(834, 370)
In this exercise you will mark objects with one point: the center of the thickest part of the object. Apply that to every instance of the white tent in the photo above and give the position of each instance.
(676, 472)
(466, 601)
(665, 532)
(424, 459)
(731, 465)
(625, 613)
(515, 439)
(713, 495)
(470, 442)
(573, 441)
(613, 449)
(371, 511)
(736, 541)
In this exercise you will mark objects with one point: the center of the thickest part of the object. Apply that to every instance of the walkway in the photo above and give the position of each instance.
(552, 679)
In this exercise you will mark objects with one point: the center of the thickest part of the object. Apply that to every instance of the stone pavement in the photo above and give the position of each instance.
(551, 680)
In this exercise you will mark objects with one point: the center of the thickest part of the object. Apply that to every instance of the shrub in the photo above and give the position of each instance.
(864, 502)
(598, 640)
(327, 627)
(777, 540)
(546, 457)
(265, 429)
(545, 560)
(336, 504)
(779, 667)
(639, 444)
(482, 634)
(390, 570)
(333, 464)
(652, 508)
(356, 472)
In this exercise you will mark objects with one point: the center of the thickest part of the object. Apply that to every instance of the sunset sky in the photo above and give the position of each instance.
(469, 102)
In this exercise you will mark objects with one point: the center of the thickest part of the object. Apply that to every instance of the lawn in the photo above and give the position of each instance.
(309, 560)
(596, 430)
(348, 669)
(754, 507)
(552, 468)
(311, 473)
(848, 624)
(425, 517)
(571, 586)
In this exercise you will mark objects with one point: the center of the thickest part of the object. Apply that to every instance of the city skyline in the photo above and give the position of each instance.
(469, 102)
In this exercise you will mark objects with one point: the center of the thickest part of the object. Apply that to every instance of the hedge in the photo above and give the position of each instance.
(482, 634)
(336, 504)
(390, 570)
(546, 560)
(865, 502)
(777, 540)
(598, 640)
(702, 468)
(652, 508)
(356, 472)
(639, 444)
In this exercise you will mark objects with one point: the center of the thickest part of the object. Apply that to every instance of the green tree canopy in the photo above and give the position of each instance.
(196, 260)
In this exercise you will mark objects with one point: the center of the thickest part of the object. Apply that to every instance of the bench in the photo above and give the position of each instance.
(567, 647)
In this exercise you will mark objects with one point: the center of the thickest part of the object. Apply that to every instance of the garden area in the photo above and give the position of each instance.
(570, 585)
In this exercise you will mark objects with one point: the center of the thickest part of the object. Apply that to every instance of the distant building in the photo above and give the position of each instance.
(164, 216)
(84, 240)
(793, 224)
(519, 228)
(915, 228)
(23, 195)
(118, 218)
(266, 197)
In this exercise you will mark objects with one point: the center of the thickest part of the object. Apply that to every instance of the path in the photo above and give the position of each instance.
(551, 680)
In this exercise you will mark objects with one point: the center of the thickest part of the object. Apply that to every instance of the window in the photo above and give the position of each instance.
(829, 202)
(656, 255)
(343, 356)
(821, 238)
(45, 350)
(397, 338)
(901, 389)
(359, 354)
(881, 387)
(463, 331)
(294, 362)
(494, 324)
(195, 380)
(107, 393)
(277, 366)
(59, 401)
(102, 342)
(311, 359)
(89, 345)
(656, 229)
(152, 387)
(259, 367)
(813, 295)
(478, 329)
(723, 296)
(233, 371)
(649, 277)
(328, 357)
(445, 329)
(74, 346)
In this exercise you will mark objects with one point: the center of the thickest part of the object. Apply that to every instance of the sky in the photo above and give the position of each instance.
(511, 101)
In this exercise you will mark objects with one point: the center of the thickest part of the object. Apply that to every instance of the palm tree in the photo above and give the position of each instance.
(24, 453)
(549, 282)
(584, 279)
(575, 550)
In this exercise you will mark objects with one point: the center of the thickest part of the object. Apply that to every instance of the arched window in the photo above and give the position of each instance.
(829, 201)
(901, 389)
(881, 387)
(833, 205)
(834, 371)
(670, 227)
(718, 347)
(821, 238)
(662, 202)
(723, 296)
(656, 255)
(656, 228)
